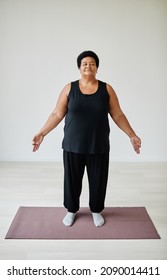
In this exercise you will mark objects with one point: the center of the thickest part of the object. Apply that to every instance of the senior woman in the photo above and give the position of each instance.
(86, 104)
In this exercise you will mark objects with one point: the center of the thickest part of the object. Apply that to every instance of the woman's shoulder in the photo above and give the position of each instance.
(108, 87)
(105, 85)
(70, 86)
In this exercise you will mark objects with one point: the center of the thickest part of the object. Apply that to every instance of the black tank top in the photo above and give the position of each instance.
(86, 127)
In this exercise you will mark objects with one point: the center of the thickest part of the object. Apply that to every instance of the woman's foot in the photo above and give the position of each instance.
(98, 219)
(69, 219)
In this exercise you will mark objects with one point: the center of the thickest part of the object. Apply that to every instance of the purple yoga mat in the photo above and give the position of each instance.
(46, 223)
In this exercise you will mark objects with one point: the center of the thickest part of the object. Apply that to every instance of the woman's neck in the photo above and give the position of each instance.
(88, 80)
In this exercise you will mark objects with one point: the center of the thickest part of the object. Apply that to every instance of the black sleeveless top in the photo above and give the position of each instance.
(86, 127)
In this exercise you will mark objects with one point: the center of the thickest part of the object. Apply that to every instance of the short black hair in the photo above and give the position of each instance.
(85, 54)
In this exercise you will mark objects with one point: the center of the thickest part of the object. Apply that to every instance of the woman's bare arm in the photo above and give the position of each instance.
(121, 120)
(54, 119)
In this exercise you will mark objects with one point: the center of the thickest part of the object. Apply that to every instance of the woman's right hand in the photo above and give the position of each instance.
(37, 140)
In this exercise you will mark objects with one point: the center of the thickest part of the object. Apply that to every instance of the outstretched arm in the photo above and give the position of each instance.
(54, 119)
(120, 119)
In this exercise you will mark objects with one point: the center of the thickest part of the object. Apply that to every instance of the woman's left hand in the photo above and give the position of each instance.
(136, 143)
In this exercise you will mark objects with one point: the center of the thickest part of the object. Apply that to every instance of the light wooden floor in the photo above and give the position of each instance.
(40, 184)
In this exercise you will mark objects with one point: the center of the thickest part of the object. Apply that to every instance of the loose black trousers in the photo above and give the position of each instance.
(97, 172)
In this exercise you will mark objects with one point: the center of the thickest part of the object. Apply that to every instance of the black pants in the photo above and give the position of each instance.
(97, 171)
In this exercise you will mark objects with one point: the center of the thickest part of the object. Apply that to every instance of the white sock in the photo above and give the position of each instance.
(98, 219)
(69, 219)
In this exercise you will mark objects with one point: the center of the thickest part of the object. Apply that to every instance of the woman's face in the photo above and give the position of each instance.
(88, 66)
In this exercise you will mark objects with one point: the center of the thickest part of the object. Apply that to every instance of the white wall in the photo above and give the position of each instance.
(40, 41)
